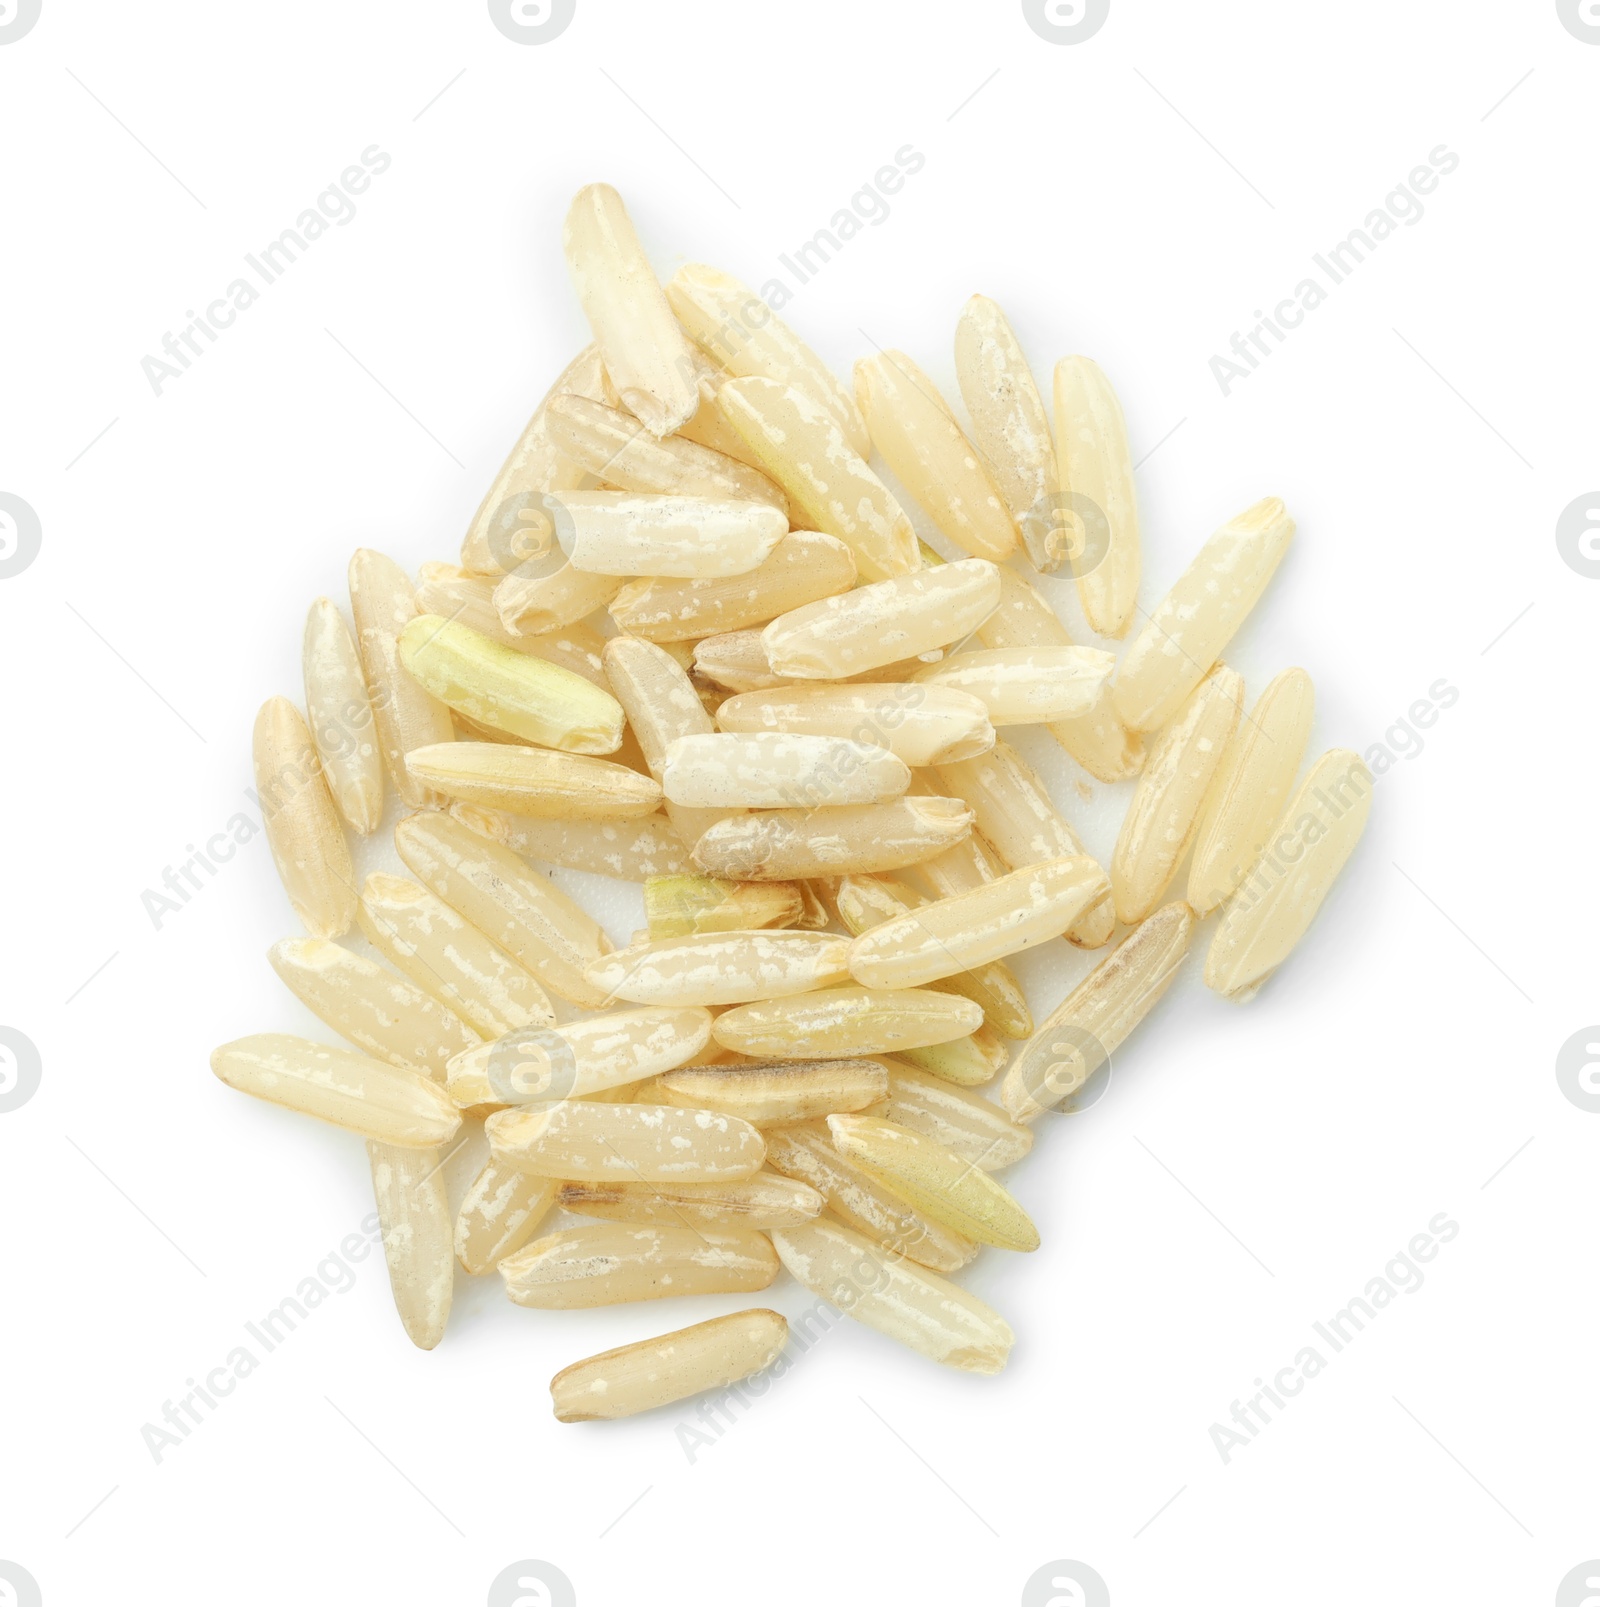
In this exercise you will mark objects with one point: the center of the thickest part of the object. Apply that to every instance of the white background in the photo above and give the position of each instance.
(1136, 197)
